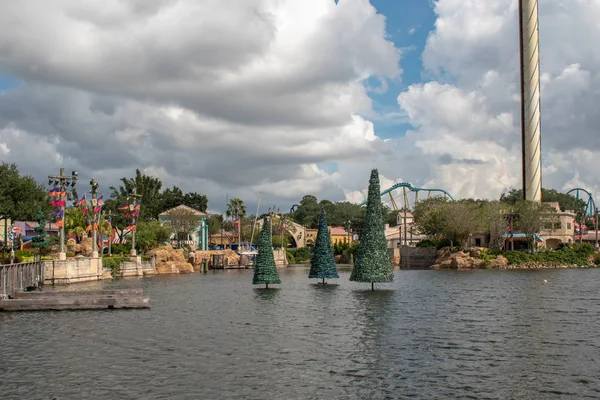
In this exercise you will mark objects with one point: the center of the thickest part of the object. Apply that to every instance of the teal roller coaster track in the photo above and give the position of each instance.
(405, 186)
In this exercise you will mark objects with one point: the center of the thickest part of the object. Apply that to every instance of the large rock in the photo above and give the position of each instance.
(231, 258)
(170, 261)
(499, 262)
(83, 248)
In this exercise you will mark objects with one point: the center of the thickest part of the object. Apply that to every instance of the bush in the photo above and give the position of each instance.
(564, 256)
(597, 259)
(301, 254)
(114, 264)
(584, 249)
(122, 249)
(290, 257)
(427, 243)
(70, 254)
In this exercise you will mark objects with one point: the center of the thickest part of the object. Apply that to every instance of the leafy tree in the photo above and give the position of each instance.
(429, 217)
(322, 264)
(495, 218)
(215, 223)
(183, 221)
(196, 201)
(20, 196)
(265, 271)
(151, 234)
(76, 222)
(460, 219)
(372, 262)
(307, 213)
(41, 241)
(236, 208)
(565, 201)
(171, 198)
(531, 218)
(146, 186)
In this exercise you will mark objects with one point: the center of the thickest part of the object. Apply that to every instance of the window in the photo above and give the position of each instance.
(568, 225)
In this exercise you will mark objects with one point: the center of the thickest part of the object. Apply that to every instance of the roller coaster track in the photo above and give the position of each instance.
(590, 206)
(408, 187)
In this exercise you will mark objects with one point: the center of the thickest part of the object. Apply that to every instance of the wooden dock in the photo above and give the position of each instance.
(80, 300)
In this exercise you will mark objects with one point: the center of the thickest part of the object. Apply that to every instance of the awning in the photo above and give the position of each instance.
(521, 236)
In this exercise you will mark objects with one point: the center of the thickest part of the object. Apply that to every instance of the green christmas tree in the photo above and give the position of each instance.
(40, 241)
(372, 261)
(322, 263)
(265, 271)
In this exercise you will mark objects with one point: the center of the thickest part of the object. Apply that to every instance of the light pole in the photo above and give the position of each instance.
(109, 220)
(133, 208)
(63, 181)
(95, 185)
(596, 226)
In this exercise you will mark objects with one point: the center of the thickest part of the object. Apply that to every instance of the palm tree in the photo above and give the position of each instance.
(237, 209)
(75, 222)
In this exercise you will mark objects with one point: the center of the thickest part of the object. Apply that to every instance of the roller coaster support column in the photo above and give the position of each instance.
(530, 100)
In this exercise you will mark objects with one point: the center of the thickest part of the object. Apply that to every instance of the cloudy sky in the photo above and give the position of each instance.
(290, 97)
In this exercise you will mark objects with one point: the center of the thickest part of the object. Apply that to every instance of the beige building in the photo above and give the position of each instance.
(559, 231)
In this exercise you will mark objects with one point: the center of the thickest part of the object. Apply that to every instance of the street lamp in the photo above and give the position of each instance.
(132, 198)
(95, 185)
(63, 182)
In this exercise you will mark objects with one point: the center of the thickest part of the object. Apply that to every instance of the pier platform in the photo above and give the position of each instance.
(76, 300)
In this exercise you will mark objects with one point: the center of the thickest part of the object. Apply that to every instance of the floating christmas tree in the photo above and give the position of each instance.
(265, 271)
(322, 263)
(40, 241)
(372, 261)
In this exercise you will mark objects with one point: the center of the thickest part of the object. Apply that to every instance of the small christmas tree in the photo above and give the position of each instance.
(372, 261)
(322, 263)
(40, 241)
(265, 271)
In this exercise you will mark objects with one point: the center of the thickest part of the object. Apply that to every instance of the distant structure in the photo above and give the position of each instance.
(530, 100)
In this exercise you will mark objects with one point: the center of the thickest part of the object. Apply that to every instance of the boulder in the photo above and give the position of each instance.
(170, 261)
(499, 262)
(231, 258)
(475, 252)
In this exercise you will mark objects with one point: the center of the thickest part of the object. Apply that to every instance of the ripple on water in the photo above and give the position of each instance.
(428, 335)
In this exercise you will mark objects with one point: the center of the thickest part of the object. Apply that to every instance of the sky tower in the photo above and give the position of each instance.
(530, 100)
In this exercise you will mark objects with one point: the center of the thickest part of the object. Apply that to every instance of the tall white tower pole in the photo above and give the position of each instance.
(530, 100)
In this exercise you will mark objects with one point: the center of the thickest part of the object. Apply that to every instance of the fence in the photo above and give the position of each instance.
(18, 277)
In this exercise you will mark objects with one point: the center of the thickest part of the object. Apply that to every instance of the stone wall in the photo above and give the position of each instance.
(73, 270)
(417, 257)
(137, 267)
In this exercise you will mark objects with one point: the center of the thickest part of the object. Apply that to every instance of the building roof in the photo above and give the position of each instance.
(182, 207)
(30, 225)
(338, 231)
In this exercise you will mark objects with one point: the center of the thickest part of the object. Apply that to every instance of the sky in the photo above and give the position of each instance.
(295, 97)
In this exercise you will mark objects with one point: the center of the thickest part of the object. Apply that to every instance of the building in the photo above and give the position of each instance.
(222, 239)
(338, 234)
(27, 229)
(197, 238)
(559, 231)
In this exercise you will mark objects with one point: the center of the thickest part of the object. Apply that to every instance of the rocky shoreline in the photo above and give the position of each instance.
(473, 259)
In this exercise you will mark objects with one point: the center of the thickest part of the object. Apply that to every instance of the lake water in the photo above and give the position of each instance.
(428, 335)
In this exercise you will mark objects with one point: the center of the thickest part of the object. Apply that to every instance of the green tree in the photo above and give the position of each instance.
(495, 215)
(461, 219)
(372, 262)
(265, 270)
(236, 208)
(20, 196)
(307, 213)
(322, 263)
(76, 222)
(147, 186)
(531, 218)
(429, 217)
(41, 241)
(151, 234)
(565, 201)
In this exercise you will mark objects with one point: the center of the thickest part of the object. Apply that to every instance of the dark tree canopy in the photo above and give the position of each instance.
(565, 201)
(20, 196)
(372, 261)
(322, 263)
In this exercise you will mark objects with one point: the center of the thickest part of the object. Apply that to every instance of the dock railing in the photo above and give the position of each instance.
(18, 277)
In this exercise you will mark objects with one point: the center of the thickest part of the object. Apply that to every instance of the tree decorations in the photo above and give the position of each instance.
(372, 261)
(58, 200)
(40, 241)
(322, 263)
(265, 271)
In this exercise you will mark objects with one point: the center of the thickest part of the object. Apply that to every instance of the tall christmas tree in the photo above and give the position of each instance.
(372, 261)
(322, 263)
(40, 241)
(265, 271)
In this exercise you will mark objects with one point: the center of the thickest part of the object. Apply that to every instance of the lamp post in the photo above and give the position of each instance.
(131, 199)
(596, 226)
(95, 185)
(63, 181)
(109, 220)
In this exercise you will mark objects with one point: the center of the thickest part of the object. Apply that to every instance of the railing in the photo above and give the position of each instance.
(19, 277)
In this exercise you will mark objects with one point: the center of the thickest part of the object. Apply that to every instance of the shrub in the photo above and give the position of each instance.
(427, 243)
(70, 254)
(114, 264)
(585, 249)
(597, 259)
(290, 257)
(301, 254)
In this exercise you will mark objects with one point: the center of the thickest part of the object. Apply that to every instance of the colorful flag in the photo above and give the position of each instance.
(89, 228)
(135, 214)
(52, 192)
(59, 223)
(125, 207)
(80, 201)
(137, 207)
(58, 213)
(58, 203)
(97, 210)
(85, 210)
(100, 201)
